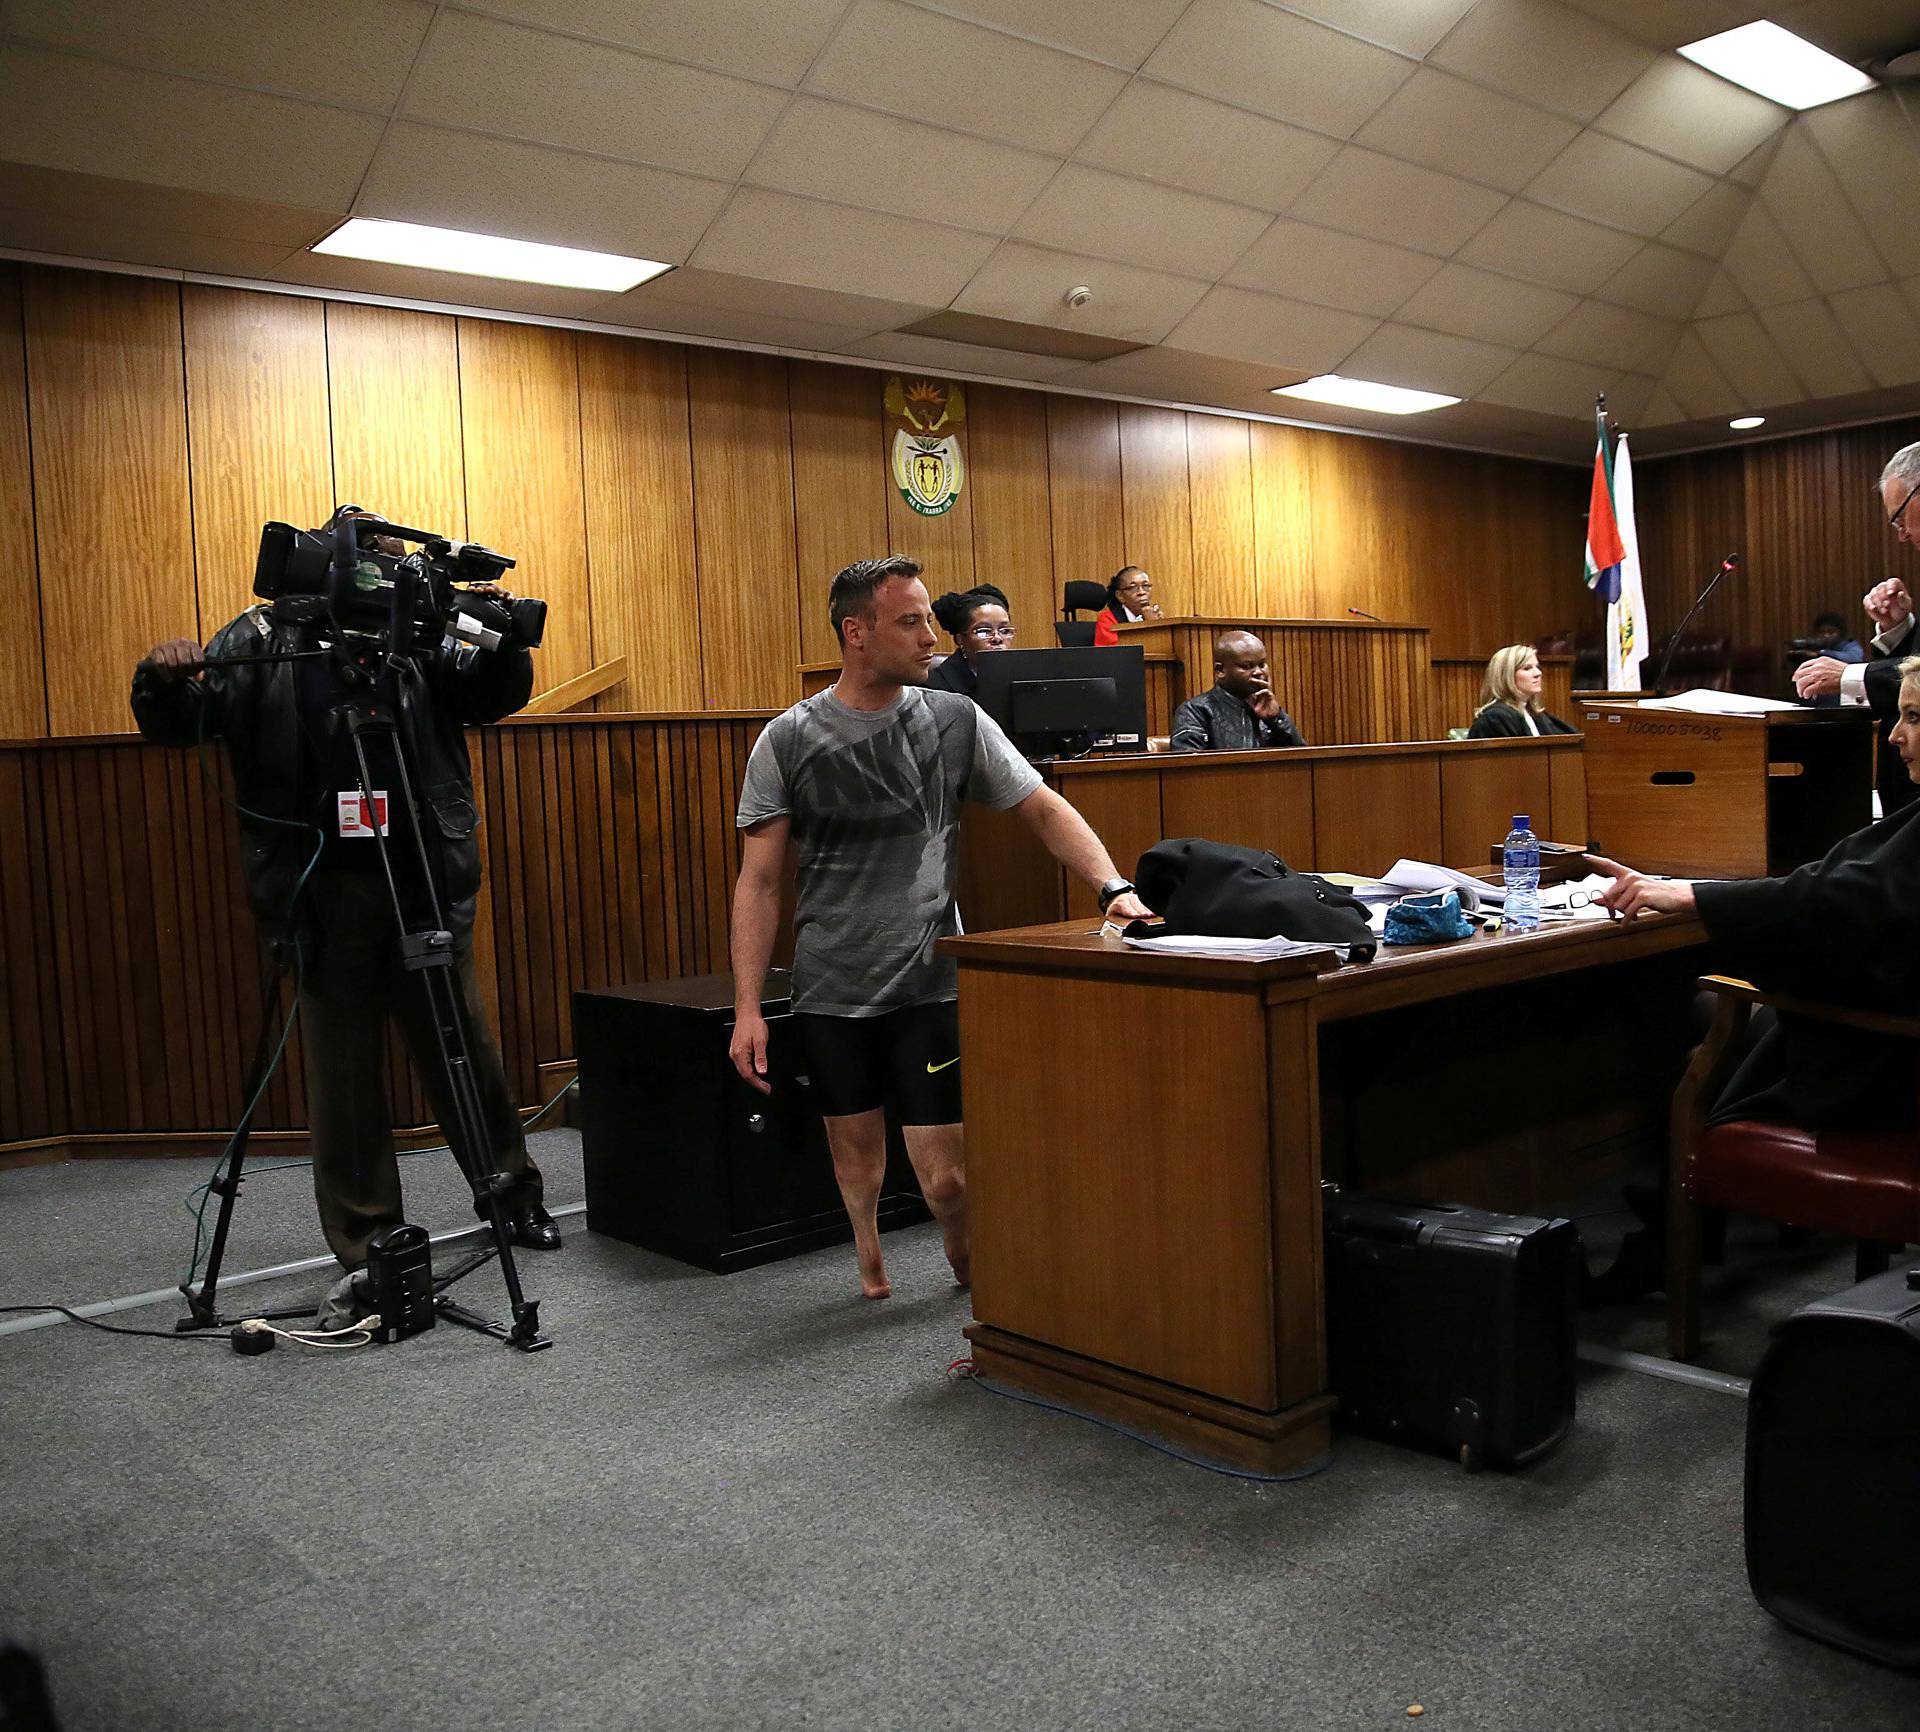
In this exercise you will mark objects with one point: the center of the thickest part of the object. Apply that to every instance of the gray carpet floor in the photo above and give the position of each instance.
(756, 1501)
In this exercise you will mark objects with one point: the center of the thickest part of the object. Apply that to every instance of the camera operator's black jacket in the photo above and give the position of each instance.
(256, 711)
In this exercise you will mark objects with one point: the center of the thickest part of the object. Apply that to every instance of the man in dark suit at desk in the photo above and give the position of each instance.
(1240, 713)
(1877, 680)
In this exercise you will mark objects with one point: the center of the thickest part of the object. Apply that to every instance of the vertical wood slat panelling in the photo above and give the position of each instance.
(33, 1082)
(1225, 547)
(1157, 503)
(1083, 483)
(115, 535)
(1283, 523)
(257, 430)
(520, 429)
(23, 672)
(394, 390)
(839, 488)
(743, 524)
(1012, 545)
(638, 475)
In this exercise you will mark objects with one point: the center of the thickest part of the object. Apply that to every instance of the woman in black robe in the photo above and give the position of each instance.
(1510, 706)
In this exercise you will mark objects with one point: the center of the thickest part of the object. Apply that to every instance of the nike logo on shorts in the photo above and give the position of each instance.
(931, 1067)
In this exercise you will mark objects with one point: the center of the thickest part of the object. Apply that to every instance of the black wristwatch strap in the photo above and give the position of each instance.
(1112, 888)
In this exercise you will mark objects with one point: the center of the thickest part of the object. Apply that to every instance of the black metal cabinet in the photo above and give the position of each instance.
(682, 1156)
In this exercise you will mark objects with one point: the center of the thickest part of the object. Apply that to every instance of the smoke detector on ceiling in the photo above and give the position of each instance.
(1896, 66)
(1078, 297)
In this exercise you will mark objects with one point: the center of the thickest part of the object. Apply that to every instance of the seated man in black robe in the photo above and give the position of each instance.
(1240, 713)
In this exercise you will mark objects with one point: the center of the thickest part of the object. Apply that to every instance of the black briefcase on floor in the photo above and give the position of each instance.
(1833, 1472)
(1452, 1328)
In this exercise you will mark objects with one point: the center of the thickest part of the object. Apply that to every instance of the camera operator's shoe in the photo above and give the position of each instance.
(532, 1226)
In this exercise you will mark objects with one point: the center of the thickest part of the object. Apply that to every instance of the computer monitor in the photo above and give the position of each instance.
(1051, 701)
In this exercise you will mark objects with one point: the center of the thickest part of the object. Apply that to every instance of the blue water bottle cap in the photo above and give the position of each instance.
(1521, 821)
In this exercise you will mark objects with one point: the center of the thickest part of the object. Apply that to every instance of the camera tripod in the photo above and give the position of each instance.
(367, 689)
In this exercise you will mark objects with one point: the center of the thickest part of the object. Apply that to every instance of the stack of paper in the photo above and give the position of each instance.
(1702, 702)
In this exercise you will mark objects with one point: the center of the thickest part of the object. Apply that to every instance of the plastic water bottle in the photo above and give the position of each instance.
(1520, 871)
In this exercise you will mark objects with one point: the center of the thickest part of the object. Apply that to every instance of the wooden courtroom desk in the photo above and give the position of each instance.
(1344, 681)
(1725, 796)
(1352, 808)
(1163, 674)
(1145, 1144)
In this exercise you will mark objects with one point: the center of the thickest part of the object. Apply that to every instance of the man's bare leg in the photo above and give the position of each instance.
(939, 1156)
(859, 1145)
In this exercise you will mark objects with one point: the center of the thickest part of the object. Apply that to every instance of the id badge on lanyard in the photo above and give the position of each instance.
(356, 822)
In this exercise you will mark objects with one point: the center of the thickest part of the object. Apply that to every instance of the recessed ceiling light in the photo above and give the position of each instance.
(1777, 64)
(1747, 423)
(472, 255)
(1365, 394)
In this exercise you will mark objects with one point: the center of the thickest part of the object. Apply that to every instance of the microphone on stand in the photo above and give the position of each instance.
(1363, 614)
(1729, 564)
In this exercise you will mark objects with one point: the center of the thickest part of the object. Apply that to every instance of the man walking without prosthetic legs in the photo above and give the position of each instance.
(865, 780)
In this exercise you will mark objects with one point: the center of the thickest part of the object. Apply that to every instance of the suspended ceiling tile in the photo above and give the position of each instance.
(1683, 111)
(426, 174)
(1722, 296)
(298, 51)
(1659, 280)
(1366, 193)
(1613, 337)
(1270, 331)
(796, 240)
(1474, 303)
(948, 73)
(1697, 384)
(1820, 226)
(1669, 23)
(1185, 376)
(1852, 30)
(880, 162)
(1548, 246)
(727, 293)
(1749, 358)
(932, 355)
(1762, 265)
(1816, 349)
(1427, 360)
(1407, 26)
(1029, 283)
(1709, 226)
(1159, 133)
(109, 204)
(1628, 396)
(1884, 331)
(1875, 154)
(584, 96)
(726, 325)
(1662, 410)
(1332, 269)
(450, 288)
(80, 237)
(1088, 210)
(1446, 123)
(1550, 386)
(747, 37)
(68, 113)
(1122, 32)
(1542, 53)
(1618, 184)
(1262, 58)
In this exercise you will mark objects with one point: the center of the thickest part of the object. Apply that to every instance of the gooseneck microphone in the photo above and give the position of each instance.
(1729, 564)
(1362, 613)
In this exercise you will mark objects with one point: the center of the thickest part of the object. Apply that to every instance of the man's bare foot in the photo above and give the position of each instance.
(873, 1279)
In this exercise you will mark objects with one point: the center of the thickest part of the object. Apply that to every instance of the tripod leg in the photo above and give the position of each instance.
(202, 1313)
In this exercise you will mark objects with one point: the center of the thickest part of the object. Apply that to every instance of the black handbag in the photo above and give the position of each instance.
(1221, 890)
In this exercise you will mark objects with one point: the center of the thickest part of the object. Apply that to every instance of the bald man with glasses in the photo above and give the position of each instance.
(1876, 681)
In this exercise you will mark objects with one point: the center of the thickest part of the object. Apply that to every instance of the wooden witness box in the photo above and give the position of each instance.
(1703, 796)
(1145, 1142)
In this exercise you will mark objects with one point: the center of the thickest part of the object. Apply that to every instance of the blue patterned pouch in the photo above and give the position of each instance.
(1427, 918)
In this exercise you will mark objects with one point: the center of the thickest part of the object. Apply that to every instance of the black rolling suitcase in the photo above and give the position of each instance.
(1452, 1328)
(1833, 1472)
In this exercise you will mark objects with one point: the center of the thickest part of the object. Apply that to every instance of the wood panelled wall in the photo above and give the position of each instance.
(1805, 516)
(681, 506)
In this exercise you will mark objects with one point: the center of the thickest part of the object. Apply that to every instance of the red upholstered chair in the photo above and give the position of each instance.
(1864, 1185)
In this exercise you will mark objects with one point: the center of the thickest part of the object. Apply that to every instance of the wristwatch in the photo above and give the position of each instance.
(1112, 888)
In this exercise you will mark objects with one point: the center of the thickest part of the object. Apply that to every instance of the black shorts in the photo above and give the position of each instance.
(907, 1060)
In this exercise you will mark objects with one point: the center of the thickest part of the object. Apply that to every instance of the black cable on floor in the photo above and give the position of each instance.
(73, 1316)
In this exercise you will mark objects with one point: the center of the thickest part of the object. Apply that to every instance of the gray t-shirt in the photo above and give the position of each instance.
(873, 797)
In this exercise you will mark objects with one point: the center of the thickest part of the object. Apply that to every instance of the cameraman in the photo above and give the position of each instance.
(297, 786)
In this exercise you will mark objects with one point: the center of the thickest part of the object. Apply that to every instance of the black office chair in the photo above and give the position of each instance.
(1072, 633)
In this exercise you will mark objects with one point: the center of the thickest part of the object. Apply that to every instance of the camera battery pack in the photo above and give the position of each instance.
(400, 1281)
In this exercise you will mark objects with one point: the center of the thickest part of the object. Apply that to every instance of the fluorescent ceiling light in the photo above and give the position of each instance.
(1747, 423)
(471, 255)
(1365, 394)
(1778, 65)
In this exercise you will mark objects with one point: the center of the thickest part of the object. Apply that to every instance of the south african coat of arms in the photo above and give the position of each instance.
(926, 461)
